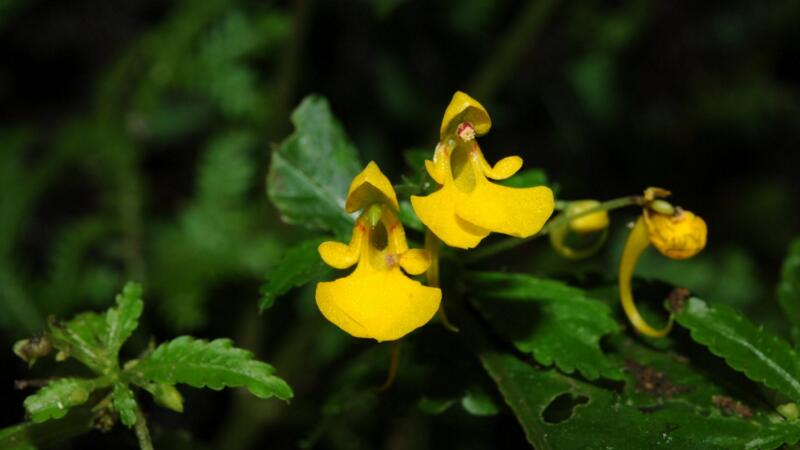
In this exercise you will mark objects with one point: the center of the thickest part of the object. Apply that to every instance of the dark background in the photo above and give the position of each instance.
(107, 108)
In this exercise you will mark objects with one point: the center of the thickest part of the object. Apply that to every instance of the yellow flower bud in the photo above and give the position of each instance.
(677, 236)
(590, 223)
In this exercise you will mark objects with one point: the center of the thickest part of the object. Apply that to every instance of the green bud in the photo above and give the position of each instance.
(166, 395)
(662, 207)
(789, 410)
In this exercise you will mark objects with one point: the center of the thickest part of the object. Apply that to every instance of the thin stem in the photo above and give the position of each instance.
(512, 48)
(510, 243)
(394, 363)
(142, 433)
(433, 244)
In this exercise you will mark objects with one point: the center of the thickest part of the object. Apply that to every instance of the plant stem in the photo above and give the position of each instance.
(512, 48)
(562, 220)
(142, 433)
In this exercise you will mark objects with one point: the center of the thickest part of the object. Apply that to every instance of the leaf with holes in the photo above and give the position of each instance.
(560, 412)
(760, 355)
(300, 264)
(556, 323)
(216, 364)
(312, 169)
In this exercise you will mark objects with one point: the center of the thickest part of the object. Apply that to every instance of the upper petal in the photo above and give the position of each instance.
(513, 211)
(438, 212)
(368, 187)
(384, 305)
(463, 108)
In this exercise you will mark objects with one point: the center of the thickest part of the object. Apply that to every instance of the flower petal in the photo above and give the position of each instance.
(463, 108)
(513, 211)
(415, 261)
(503, 169)
(377, 304)
(438, 212)
(368, 187)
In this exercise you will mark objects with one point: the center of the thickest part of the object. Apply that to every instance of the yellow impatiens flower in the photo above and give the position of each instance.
(377, 300)
(675, 232)
(467, 206)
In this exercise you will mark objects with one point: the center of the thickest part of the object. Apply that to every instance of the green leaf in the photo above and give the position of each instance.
(789, 287)
(123, 320)
(479, 403)
(760, 355)
(299, 265)
(124, 403)
(312, 169)
(216, 364)
(54, 400)
(556, 323)
(84, 338)
(560, 412)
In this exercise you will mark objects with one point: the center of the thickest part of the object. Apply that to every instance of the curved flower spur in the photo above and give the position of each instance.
(675, 232)
(377, 300)
(467, 206)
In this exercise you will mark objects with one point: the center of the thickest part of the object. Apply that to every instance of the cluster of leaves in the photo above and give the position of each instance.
(196, 77)
(95, 341)
(572, 376)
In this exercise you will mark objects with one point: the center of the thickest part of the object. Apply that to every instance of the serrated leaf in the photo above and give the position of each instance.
(312, 169)
(556, 323)
(760, 355)
(83, 338)
(54, 400)
(602, 419)
(216, 364)
(122, 320)
(299, 265)
(124, 404)
(789, 287)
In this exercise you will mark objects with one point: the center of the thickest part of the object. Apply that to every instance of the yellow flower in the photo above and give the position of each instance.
(467, 206)
(676, 233)
(377, 300)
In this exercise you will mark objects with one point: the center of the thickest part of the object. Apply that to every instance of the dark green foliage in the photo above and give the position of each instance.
(300, 264)
(760, 355)
(306, 191)
(601, 419)
(789, 287)
(556, 323)
(95, 340)
(216, 364)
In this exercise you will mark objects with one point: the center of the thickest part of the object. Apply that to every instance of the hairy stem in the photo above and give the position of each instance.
(142, 433)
